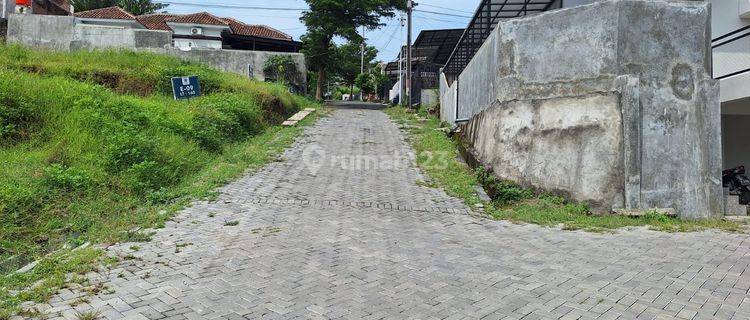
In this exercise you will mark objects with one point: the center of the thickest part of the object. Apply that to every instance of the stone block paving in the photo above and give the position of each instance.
(371, 243)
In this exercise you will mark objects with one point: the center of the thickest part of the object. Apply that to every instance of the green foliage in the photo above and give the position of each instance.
(136, 7)
(382, 84)
(366, 82)
(64, 178)
(517, 204)
(98, 146)
(48, 276)
(348, 65)
(501, 191)
(17, 118)
(327, 19)
(281, 68)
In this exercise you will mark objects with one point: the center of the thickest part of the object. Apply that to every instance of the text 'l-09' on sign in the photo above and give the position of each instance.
(186, 87)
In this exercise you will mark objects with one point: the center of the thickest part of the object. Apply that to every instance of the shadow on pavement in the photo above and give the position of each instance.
(356, 105)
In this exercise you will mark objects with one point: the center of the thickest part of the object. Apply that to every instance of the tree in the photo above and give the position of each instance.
(136, 7)
(327, 19)
(86, 5)
(382, 85)
(281, 68)
(140, 7)
(366, 82)
(348, 62)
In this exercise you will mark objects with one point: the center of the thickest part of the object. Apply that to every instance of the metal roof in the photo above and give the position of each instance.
(486, 18)
(443, 41)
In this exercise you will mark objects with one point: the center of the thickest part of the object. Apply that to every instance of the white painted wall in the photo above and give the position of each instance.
(111, 23)
(188, 44)
(735, 90)
(726, 16)
(208, 30)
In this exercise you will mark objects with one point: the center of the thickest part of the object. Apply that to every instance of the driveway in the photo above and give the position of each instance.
(340, 228)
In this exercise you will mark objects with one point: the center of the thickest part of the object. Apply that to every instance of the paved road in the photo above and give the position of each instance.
(321, 235)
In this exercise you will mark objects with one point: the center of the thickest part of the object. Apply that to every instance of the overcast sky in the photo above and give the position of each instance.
(386, 39)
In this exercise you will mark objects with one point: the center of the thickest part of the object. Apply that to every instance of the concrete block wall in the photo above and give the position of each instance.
(447, 100)
(609, 103)
(237, 61)
(62, 33)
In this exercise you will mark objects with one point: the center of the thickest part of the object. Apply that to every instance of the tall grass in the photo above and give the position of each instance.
(92, 144)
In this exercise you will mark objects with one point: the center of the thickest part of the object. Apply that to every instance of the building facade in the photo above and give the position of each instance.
(730, 28)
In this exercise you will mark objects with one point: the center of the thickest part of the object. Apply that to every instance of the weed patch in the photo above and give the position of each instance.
(93, 146)
(512, 202)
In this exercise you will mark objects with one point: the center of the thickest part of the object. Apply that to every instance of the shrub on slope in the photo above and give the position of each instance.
(91, 143)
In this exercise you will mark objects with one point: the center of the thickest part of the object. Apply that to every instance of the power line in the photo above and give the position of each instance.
(444, 8)
(441, 20)
(229, 6)
(444, 14)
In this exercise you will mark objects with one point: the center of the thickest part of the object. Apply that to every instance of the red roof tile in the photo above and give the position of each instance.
(260, 31)
(156, 21)
(199, 18)
(116, 13)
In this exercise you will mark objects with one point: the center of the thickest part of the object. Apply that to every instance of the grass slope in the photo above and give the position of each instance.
(92, 145)
(437, 154)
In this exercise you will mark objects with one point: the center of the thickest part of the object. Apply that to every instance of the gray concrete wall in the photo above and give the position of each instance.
(237, 61)
(44, 32)
(62, 33)
(653, 55)
(447, 100)
(429, 97)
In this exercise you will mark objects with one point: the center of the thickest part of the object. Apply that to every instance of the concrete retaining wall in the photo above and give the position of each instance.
(544, 93)
(62, 33)
(447, 100)
(429, 97)
(237, 61)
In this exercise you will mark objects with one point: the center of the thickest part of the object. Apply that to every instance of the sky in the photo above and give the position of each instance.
(385, 39)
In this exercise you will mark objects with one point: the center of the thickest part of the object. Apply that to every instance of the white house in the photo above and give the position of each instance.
(730, 26)
(199, 30)
(112, 16)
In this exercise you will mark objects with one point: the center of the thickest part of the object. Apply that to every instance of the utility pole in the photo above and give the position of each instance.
(409, 7)
(362, 68)
(401, 64)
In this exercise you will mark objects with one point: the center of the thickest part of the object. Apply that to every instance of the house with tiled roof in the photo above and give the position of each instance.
(111, 16)
(200, 30)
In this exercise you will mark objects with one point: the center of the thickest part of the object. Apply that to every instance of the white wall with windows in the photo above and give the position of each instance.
(188, 44)
(730, 27)
(200, 36)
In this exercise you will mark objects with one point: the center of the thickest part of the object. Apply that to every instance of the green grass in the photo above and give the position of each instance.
(93, 148)
(51, 274)
(437, 157)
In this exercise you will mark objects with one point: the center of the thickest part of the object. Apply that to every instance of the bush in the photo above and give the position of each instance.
(502, 192)
(128, 148)
(148, 176)
(226, 118)
(64, 178)
(210, 80)
(281, 68)
(17, 118)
